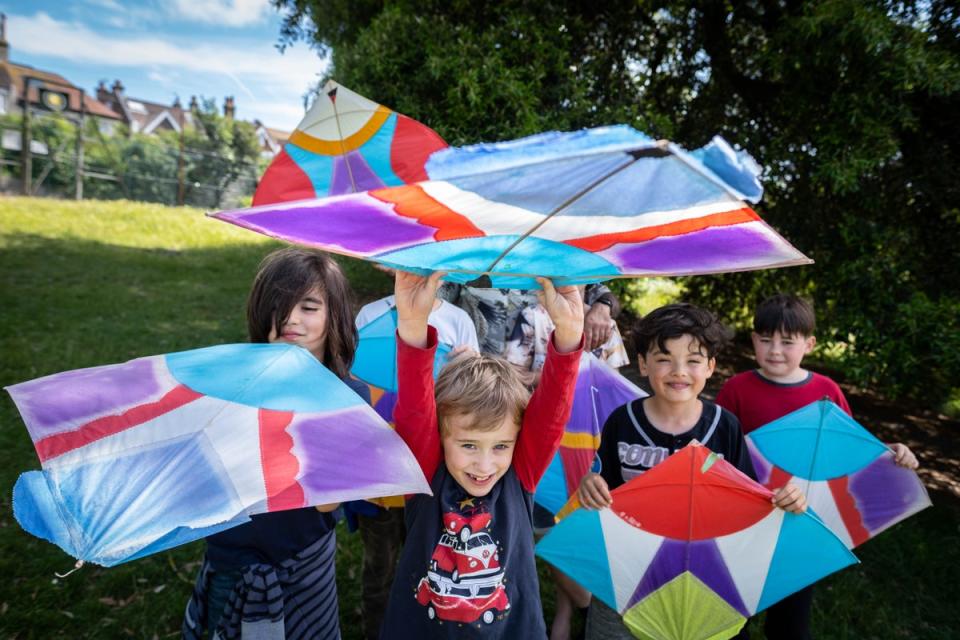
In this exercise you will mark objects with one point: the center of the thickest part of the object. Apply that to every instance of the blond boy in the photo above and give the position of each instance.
(467, 567)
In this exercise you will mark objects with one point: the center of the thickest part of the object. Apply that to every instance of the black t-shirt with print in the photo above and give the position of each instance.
(630, 444)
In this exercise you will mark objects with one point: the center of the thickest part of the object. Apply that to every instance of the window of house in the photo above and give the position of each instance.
(136, 107)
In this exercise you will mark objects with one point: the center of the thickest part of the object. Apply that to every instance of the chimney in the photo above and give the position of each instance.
(4, 45)
(176, 103)
(103, 95)
(194, 105)
(228, 107)
(117, 90)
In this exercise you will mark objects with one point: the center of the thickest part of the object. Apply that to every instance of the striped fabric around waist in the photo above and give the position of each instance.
(295, 600)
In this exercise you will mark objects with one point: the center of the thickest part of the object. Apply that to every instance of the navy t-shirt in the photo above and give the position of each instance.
(466, 564)
(273, 537)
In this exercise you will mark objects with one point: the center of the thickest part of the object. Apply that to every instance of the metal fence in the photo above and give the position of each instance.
(70, 157)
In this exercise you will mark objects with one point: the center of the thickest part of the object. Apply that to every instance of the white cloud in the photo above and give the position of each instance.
(111, 5)
(117, 15)
(165, 79)
(273, 114)
(118, 22)
(244, 62)
(233, 13)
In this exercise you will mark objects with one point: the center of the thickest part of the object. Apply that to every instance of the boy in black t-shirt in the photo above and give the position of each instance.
(677, 346)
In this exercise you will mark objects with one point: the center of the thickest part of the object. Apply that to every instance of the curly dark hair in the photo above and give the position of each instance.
(681, 319)
(285, 276)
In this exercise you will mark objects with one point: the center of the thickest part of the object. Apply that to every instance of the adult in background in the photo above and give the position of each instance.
(510, 323)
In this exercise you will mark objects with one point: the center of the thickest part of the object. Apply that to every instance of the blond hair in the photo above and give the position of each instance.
(485, 388)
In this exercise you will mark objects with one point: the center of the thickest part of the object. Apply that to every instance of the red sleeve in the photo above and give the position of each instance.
(841, 400)
(415, 414)
(727, 398)
(546, 415)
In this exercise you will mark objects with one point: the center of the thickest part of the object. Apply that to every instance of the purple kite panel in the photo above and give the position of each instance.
(702, 558)
(357, 223)
(717, 249)
(63, 401)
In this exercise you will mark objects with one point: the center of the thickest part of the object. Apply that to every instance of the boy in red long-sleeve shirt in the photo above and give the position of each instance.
(467, 567)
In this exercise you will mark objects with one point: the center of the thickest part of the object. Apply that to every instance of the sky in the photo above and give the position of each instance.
(161, 49)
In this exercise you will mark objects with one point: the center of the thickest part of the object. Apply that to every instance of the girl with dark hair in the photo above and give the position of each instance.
(302, 297)
(274, 576)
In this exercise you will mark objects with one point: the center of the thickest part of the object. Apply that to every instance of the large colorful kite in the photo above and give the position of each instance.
(691, 549)
(345, 144)
(577, 207)
(848, 476)
(599, 391)
(155, 452)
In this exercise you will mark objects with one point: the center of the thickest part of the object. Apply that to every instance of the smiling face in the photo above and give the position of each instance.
(780, 356)
(306, 325)
(475, 458)
(678, 374)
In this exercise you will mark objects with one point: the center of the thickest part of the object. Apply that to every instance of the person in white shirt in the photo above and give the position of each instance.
(454, 326)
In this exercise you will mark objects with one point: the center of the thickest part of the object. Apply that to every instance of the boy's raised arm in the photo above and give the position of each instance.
(414, 296)
(415, 414)
(565, 307)
(549, 408)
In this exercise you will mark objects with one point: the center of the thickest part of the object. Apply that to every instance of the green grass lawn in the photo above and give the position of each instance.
(92, 283)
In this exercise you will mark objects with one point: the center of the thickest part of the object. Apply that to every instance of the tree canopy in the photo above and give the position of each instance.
(851, 107)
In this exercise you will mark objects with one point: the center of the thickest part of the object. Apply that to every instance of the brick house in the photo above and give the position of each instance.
(143, 116)
(48, 91)
(110, 107)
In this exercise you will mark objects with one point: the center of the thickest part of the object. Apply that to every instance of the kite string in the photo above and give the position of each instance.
(564, 205)
(686, 550)
(78, 565)
(594, 392)
(343, 148)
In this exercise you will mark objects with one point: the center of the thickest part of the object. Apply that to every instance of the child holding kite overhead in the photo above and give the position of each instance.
(783, 333)
(511, 323)
(467, 568)
(381, 527)
(677, 347)
(275, 575)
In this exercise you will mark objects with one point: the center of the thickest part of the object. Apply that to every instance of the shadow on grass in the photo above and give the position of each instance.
(74, 303)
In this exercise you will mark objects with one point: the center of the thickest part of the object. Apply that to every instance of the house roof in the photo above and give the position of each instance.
(13, 75)
(278, 135)
(151, 115)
